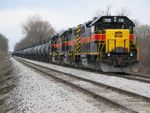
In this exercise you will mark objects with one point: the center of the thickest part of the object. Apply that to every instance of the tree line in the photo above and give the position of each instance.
(142, 33)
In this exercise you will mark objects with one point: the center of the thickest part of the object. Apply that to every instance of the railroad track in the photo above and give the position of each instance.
(118, 98)
(129, 76)
(135, 77)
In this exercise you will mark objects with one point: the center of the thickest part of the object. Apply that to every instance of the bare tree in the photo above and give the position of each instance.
(123, 12)
(106, 12)
(35, 30)
(143, 34)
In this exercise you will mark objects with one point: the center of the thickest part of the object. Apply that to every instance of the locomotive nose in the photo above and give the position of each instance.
(117, 45)
(117, 40)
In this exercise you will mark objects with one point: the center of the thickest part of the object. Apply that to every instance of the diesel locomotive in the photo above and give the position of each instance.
(105, 43)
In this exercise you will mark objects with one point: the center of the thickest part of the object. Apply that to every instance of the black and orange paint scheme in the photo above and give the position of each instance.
(106, 43)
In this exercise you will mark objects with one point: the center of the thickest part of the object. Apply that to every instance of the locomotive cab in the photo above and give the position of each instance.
(118, 52)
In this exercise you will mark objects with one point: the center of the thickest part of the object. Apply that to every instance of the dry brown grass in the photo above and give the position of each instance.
(3, 55)
(6, 82)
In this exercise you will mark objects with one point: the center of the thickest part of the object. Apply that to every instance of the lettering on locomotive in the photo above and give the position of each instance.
(118, 34)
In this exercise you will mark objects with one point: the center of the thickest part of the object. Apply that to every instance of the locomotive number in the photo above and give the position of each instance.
(121, 20)
(107, 20)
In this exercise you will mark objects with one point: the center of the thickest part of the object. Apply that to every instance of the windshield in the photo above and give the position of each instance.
(105, 26)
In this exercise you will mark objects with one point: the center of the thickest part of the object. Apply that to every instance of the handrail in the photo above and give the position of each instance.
(100, 52)
(136, 49)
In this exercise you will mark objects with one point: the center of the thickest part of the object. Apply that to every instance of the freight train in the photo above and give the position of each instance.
(105, 43)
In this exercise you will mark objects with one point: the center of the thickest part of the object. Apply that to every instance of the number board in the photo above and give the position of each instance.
(121, 20)
(107, 20)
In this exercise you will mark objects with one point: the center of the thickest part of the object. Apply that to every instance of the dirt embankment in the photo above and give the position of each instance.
(6, 83)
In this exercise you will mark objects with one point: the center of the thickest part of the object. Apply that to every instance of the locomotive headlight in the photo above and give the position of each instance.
(131, 54)
(108, 54)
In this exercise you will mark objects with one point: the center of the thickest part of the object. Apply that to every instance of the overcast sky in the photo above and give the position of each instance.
(62, 14)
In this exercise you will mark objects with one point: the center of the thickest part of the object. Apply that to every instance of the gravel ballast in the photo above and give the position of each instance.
(35, 93)
(129, 85)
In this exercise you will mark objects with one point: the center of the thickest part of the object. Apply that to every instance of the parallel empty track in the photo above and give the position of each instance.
(121, 99)
(135, 77)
